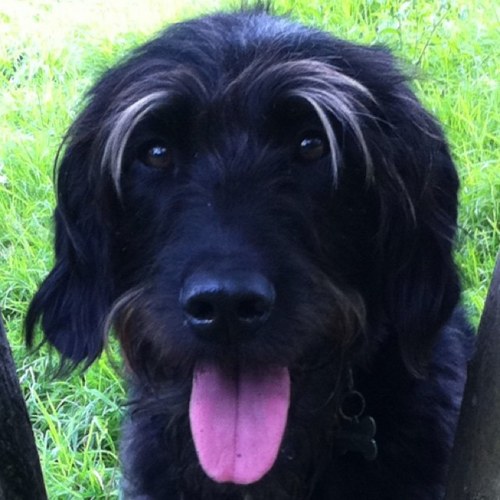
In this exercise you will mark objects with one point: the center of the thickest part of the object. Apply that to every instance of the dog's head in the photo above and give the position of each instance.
(245, 191)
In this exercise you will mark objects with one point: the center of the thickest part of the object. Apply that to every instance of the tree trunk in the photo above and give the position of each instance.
(475, 468)
(20, 472)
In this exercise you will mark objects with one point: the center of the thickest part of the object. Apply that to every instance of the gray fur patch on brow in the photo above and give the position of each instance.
(121, 127)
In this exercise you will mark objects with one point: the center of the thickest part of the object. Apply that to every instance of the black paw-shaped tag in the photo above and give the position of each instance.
(357, 435)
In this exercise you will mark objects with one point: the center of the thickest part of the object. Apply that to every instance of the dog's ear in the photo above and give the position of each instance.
(418, 216)
(72, 302)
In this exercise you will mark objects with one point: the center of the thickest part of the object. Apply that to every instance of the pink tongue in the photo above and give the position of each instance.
(238, 423)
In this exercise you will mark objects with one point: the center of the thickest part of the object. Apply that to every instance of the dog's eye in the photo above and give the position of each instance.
(312, 147)
(157, 155)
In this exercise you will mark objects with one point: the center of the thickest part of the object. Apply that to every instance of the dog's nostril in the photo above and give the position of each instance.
(201, 310)
(253, 309)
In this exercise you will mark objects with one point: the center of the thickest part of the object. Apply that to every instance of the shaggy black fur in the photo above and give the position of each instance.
(250, 193)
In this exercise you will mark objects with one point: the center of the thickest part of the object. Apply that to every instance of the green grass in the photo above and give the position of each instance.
(50, 52)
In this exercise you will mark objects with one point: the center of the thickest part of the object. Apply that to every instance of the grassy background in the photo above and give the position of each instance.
(51, 51)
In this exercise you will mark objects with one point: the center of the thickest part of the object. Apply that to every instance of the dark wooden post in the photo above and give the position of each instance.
(475, 467)
(20, 472)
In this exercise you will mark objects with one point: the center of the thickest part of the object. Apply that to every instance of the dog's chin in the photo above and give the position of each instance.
(242, 405)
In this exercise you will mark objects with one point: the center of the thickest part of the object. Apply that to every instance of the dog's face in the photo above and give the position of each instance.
(249, 202)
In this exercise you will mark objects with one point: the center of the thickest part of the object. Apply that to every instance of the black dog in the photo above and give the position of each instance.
(265, 215)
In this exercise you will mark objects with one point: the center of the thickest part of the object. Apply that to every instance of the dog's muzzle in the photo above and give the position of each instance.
(237, 416)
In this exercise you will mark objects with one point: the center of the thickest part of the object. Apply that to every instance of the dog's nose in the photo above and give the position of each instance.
(232, 303)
